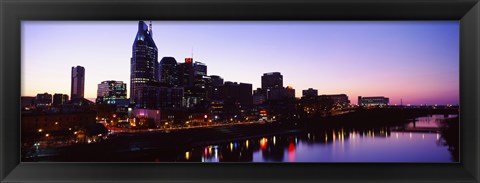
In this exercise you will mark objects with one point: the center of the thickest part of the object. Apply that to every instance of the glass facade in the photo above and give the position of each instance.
(109, 92)
(168, 71)
(144, 67)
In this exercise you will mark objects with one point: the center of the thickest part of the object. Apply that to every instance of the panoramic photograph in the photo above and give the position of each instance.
(240, 91)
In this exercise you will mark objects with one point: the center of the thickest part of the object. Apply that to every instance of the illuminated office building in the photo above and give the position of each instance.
(110, 92)
(144, 68)
(372, 101)
(43, 100)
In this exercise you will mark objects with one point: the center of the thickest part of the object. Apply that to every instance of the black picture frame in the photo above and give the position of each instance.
(13, 12)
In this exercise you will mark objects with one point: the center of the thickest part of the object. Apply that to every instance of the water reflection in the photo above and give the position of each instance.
(387, 144)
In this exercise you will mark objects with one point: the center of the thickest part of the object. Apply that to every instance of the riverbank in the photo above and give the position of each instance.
(373, 118)
(132, 147)
(119, 146)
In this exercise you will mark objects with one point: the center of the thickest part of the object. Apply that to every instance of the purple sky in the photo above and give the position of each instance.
(417, 61)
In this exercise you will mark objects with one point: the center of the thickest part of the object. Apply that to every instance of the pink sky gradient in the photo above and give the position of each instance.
(417, 61)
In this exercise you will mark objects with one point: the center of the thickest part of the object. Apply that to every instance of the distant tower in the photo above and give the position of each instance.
(78, 82)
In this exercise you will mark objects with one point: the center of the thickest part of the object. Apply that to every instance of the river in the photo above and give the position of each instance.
(417, 141)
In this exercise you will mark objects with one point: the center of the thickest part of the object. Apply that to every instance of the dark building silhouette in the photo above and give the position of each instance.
(171, 97)
(28, 102)
(310, 92)
(272, 86)
(216, 80)
(339, 100)
(194, 97)
(186, 73)
(280, 93)
(245, 94)
(258, 96)
(78, 82)
(238, 92)
(290, 92)
(144, 69)
(322, 103)
(59, 99)
(43, 100)
(237, 100)
(168, 72)
(213, 83)
(272, 80)
(147, 97)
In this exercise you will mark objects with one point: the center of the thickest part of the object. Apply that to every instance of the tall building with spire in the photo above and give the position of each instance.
(144, 72)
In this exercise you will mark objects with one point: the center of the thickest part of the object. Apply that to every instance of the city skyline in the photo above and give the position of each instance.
(419, 64)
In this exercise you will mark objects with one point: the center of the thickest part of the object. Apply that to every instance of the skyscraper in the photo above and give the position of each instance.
(186, 73)
(199, 72)
(78, 82)
(272, 85)
(168, 71)
(143, 66)
(272, 80)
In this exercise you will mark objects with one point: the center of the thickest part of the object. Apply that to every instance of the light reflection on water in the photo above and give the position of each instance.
(334, 145)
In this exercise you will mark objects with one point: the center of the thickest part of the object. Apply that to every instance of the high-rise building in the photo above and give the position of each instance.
(272, 80)
(78, 82)
(186, 73)
(213, 84)
(237, 92)
(43, 100)
(168, 72)
(147, 97)
(194, 97)
(59, 99)
(199, 71)
(272, 85)
(143, 67)
(109, 92)
(245, 94)
(170, 97)
(310, 92)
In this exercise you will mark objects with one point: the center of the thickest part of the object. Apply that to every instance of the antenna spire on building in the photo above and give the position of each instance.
(192, 52)
(150, 28)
